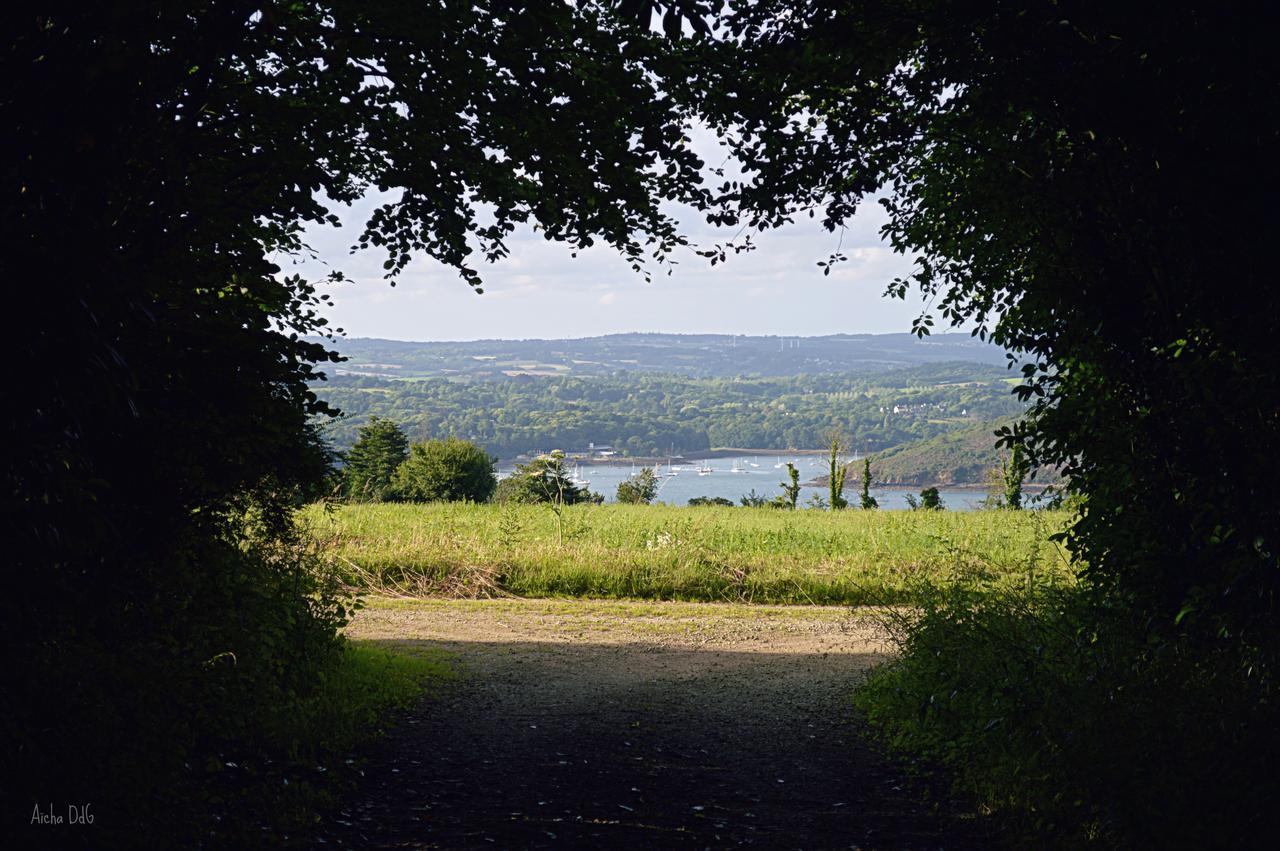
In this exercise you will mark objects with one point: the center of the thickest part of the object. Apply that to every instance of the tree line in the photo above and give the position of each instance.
(650, 415)
(383, 466)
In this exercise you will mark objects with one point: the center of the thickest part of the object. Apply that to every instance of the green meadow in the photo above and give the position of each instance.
(676, 553)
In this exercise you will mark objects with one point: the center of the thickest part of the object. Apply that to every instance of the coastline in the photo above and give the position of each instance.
(732, 452)
(653, 460)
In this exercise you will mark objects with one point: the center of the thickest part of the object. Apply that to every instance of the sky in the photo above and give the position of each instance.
(541, 291)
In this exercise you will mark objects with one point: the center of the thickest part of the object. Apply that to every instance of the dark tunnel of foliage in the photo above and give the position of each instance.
(1090, 185)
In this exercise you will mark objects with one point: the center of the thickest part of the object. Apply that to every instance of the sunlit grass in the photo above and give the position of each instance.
(674, 553)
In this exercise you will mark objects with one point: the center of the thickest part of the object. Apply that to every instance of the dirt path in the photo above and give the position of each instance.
(636, 725)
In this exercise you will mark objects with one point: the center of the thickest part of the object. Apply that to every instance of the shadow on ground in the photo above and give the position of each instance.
(638, 745)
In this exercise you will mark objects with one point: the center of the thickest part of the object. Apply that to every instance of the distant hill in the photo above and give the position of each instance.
(646, 414)
(964, 456)
(694, 355)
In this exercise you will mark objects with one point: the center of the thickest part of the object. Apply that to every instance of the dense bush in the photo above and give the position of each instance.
(1055, 709)
(544, 480)
(640, 489)
(449, 470)
(236, 632)
(929, 500)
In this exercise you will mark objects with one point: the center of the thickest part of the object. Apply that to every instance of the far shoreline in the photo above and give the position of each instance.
(732, 452)
(654, 460)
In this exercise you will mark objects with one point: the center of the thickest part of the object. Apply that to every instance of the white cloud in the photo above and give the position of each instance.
(541, 290)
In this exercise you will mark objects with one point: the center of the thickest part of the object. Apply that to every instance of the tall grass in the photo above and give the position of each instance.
(667, 552)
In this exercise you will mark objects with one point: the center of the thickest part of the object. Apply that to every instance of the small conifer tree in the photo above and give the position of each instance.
(868, 501)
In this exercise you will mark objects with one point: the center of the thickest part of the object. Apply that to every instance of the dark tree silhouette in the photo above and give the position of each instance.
(159, 165)
(1088, 186)
(1093, 187)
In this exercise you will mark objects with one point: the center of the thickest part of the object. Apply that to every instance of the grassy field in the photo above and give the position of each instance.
(674, 553)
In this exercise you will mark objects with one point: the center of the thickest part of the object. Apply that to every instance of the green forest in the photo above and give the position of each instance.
(643, 414)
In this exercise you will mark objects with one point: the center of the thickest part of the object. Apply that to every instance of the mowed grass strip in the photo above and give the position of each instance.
(676, 553)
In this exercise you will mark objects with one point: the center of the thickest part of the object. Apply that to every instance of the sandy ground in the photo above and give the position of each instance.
(582, 724)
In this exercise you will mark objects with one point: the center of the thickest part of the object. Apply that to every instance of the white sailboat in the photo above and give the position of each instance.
(705, 469)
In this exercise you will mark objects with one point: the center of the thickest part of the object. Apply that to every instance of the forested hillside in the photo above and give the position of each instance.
(646, 414)
(961, 456)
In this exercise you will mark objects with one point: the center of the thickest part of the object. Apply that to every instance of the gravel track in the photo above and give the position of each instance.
(585, 724)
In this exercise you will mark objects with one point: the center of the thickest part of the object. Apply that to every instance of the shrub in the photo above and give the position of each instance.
(544, 480)
(640, 489)
(448, 470)
(930, 500)
(1013, 472)
(836, 473)
(148, 721)
(1054, 708)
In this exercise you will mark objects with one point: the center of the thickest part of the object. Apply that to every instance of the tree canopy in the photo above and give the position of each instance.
(640, 489)
(545, 479)
(1087, 186)
(374, 460)
(160, 164)
(653, 415)
(451, 470)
